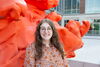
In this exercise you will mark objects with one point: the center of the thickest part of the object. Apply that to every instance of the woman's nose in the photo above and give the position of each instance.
(46, 30)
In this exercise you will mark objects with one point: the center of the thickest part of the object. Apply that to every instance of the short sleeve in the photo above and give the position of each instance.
(30, 56)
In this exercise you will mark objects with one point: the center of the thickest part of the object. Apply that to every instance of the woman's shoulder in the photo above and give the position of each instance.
(30, 50)
(31, 46)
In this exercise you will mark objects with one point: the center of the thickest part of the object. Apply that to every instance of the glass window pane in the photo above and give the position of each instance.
(74, 4)
(74, 11)
(68, 4)
(78, 4)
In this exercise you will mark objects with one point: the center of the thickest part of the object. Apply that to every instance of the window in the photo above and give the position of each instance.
(68, 7)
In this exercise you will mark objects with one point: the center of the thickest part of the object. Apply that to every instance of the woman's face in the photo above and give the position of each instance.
(46, 31)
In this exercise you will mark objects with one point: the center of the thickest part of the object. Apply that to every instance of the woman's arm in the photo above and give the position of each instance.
(30, 56)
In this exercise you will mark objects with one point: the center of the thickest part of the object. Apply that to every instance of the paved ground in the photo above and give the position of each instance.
(90, 53)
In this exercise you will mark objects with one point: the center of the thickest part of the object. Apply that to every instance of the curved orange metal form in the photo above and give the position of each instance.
(18, 21)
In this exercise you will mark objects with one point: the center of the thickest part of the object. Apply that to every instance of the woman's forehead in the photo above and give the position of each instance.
(45, 25)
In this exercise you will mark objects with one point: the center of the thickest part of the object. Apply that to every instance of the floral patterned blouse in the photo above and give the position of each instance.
(51, 58)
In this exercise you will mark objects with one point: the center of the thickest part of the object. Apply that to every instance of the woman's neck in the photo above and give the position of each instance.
(46, 43)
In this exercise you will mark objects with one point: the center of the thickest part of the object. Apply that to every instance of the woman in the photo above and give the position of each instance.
(47, 50)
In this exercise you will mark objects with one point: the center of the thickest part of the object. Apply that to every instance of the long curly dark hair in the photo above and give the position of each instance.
(54, 40)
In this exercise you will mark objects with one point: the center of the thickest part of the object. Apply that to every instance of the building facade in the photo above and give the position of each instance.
(81, 10)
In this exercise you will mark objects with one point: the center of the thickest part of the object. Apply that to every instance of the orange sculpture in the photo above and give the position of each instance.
(18, 21)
